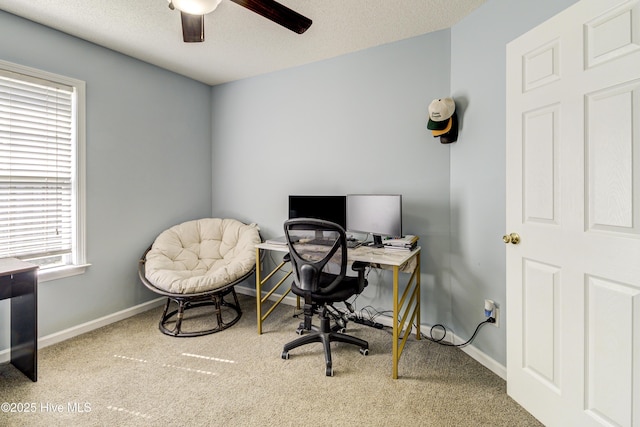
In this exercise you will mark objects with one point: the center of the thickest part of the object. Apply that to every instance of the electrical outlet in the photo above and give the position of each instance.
(489, 306)
(491, 310)
(496, 316)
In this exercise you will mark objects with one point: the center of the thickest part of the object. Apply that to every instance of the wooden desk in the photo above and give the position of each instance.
(406, 307)
(19, 281)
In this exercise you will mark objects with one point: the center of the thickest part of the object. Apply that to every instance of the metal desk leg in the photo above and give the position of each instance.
(260, 281)
(259, 290)
(418, 294)
(409, 304)
(396, 326)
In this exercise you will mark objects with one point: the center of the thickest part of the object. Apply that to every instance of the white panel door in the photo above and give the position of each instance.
(573, 196)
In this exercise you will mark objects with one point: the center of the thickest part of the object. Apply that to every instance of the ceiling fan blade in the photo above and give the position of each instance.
(277, 13)
(192, 27)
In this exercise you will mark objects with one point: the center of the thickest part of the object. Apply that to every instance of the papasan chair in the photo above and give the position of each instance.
(197, 264)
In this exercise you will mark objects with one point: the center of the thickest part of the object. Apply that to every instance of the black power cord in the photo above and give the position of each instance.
(372, 313)
(440, 340)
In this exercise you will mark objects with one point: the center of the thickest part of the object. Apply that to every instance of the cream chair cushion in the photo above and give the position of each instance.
(202, 255)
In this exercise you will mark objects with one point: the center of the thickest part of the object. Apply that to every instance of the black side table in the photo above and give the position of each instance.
(19, 281)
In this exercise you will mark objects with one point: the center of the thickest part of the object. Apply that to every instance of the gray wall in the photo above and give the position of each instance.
(148, 167)
(352, 124)
(478, 47)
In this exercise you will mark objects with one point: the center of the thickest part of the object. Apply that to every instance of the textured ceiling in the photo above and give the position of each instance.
(239, 43)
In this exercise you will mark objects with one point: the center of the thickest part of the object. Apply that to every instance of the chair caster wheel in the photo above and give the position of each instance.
(364, 351)
(285, 355)
(342, 330)
(300, 331)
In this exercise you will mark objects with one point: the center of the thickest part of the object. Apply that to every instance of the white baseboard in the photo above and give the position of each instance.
(89, 326)
(473, 352)
(486, 361)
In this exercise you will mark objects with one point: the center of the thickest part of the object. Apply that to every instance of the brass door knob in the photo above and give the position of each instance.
(513, 238)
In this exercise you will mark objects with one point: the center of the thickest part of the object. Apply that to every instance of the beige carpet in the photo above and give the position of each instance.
(129, 374)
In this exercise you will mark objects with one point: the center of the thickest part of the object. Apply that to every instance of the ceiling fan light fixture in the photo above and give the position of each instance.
(195, 7)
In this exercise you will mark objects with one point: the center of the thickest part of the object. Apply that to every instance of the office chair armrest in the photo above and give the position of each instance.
(359, 266)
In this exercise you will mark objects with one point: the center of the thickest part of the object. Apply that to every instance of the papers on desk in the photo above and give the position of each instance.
(406, 243)
(280, 240)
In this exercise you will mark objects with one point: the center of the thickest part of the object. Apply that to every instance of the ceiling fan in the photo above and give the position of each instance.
(192, 13)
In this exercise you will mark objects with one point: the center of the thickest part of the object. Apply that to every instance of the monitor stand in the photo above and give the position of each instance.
(377, 242)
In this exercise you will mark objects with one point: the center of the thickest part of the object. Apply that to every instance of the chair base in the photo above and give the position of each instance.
(186, 302)
(325, 335)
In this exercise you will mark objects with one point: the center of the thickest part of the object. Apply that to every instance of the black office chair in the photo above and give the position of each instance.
(318, 254)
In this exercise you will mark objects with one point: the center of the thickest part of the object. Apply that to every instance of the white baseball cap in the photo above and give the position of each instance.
(440, 112)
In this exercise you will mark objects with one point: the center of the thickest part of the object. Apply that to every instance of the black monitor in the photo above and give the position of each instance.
(329, 208)
(377, 214)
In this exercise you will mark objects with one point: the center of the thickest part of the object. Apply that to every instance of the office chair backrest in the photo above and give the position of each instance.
(316, 247)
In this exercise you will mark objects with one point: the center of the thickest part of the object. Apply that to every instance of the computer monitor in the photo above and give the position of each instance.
(329, 208)
(377, 214)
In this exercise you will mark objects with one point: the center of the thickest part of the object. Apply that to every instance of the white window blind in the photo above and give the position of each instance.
(37, 124)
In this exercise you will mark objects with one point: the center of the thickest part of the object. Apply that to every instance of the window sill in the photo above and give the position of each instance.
(61, 272)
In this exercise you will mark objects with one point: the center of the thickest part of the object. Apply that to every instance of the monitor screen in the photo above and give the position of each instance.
(378, 214)
(329, 208)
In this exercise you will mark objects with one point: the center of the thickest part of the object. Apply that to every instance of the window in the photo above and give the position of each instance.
(42, 170)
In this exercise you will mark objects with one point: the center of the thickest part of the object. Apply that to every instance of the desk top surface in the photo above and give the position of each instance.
(383, 256)
(14, 265)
